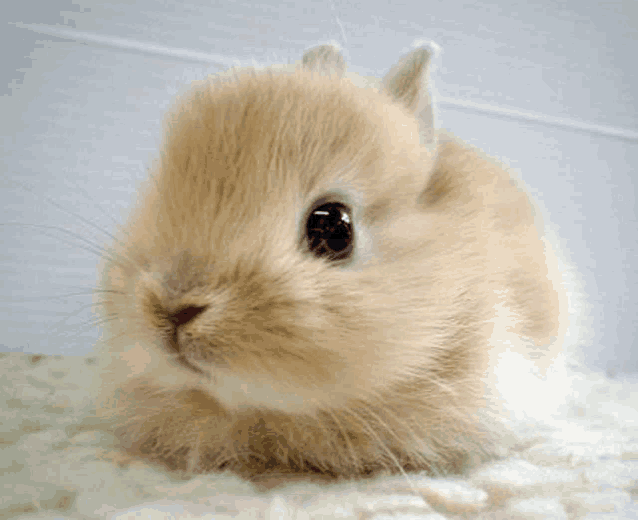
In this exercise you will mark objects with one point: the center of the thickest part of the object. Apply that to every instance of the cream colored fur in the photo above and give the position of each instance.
(383, 363)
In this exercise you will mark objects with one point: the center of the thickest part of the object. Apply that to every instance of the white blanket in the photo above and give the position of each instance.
(583, 464)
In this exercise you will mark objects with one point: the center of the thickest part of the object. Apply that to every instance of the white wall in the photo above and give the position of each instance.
(551, 86)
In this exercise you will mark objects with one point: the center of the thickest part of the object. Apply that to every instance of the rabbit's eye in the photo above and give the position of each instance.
(329, 231)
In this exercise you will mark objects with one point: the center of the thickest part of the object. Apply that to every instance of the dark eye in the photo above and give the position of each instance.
(329, 231)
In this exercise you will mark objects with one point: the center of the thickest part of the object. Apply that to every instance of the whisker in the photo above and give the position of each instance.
(381, 444)
(95, 248)
(79, 329)
(48, 298)
(92, 246)
(99, 291)
(89, 245)
(73, 213)
(390, 409)
(88, 324)
(355, 460)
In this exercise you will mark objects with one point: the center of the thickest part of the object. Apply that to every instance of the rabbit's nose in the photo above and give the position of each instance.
(177, 319)
(185, 315)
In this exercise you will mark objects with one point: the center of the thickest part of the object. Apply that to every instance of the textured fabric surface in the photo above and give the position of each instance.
(582, 464)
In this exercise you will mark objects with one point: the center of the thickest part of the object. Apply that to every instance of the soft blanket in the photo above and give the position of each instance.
(582, 464)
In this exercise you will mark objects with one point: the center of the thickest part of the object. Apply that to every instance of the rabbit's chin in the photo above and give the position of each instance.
(233, 391)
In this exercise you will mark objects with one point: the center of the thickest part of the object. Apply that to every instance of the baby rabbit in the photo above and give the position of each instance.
(317, 280)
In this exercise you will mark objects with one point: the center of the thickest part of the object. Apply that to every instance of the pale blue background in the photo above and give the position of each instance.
(81, 112)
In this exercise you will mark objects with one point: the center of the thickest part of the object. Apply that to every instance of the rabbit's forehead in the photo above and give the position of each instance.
(298, 134)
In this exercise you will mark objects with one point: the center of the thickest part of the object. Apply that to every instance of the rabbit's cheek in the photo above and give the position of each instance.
(140, 360)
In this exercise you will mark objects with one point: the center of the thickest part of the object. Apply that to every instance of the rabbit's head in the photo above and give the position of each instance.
(311, 275)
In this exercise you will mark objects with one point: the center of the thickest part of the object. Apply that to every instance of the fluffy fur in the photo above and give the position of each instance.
(284, 362)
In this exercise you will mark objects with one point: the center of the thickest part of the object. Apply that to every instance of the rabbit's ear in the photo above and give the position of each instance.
(408, 82)
(326, 60)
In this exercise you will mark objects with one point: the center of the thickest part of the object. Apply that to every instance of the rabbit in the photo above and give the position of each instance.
(317, 280)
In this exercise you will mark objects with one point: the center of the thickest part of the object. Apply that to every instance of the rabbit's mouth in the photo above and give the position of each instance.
(183, 362)
(183, 356)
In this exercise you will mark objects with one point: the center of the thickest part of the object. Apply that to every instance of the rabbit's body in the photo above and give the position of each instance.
(230, 344)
